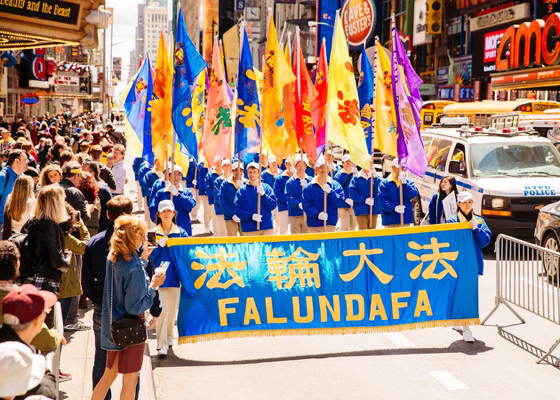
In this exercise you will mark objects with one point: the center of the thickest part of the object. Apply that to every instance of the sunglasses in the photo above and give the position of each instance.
(47, 311)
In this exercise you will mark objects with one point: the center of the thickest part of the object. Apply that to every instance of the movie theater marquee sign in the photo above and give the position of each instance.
(46, 10)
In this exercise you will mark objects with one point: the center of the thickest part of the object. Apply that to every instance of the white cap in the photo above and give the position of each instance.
(464, 196)
(167, 166)
(320, 162)
(20, 369)
(300, 158)
(177, 168)
(226, 161)
(253, 165)
(165, 205)
(289, 160)
(395, 162)
(345, 158)
(237, 164)
(271, 159)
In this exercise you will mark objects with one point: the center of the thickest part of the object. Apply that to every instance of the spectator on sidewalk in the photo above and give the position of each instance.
(20, 206)
(50, 175)
(17, 165)
(118, 169)
(88, 186)
(105, 173)
(104, 194)
(115, 136)
(72, 174)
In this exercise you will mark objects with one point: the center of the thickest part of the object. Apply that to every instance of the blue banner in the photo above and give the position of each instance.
(350, 282)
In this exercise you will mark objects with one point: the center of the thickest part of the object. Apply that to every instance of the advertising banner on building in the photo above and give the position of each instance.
(499, 17)
(420, 36)
(72, 79)
(117, 69)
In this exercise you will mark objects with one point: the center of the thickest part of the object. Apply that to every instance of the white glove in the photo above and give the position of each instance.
(300, 206)
(323, 216)
(194, 181)
(349, 201)
(402, 177)
(369, 201)
(400, 209)
(327, 188)
(172, 189)
(474, 223)
(236, 219)
(260, 190)
(257, 217)
(162, 242)
(293, 169)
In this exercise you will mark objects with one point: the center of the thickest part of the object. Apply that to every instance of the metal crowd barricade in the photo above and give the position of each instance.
(523, 273)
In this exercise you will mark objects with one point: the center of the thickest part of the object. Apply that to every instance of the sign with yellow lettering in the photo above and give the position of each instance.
(339, 283)
(64, 12)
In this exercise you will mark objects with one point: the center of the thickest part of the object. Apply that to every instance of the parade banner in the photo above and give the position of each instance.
(334, 283)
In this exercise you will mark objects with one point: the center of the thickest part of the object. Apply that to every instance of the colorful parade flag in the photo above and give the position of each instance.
(248, 116)
(216, 139)
(319, 105)
(161, 103)
(188, 65)
(410, 147)
(134, 142)
(277, 74)
(305, 93)
(198, 104)
(343, 111)
(289, 105)
(385, 126)
(365, 94)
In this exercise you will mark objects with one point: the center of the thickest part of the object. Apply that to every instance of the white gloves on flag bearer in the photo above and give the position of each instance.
(323, 216)
(172, 189)
(349, 201)
(260, 190)
(370, 201)
(257, 217)
(399, 209)
(236, 219)
(327, 188)
(194, 182)
(474, 223)
(300, 206)
(402, 177)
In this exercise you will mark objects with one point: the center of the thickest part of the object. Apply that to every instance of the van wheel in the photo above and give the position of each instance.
(417, 211)
(551, 263)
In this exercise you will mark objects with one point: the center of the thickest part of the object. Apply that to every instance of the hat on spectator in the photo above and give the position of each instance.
(166, 205)
(20, 369)
(464, 196)
(26, 303)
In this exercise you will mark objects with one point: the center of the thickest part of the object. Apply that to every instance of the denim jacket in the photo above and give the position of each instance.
(132, 294)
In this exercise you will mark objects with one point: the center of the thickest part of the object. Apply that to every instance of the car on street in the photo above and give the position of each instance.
(547, 235)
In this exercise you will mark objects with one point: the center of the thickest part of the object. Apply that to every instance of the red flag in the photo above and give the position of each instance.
(319, 106)
(305, 94)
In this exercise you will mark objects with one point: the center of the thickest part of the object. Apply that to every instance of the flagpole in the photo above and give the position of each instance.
(173, 141)
(373, 130)
(260, 161)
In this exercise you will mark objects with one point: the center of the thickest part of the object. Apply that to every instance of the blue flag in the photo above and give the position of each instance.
(188, 63)
(365, 95)
(247, 118)
(138, 111)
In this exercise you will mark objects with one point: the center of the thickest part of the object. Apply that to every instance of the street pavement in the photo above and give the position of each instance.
(432, 363)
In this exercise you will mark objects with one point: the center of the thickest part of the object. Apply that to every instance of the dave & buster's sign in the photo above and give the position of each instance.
(359, 18)
(46, 10)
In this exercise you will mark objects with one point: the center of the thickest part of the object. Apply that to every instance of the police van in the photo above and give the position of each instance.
(511, 173)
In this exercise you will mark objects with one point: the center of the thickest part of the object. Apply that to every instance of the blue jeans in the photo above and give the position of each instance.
(65, 306)
(100, 357)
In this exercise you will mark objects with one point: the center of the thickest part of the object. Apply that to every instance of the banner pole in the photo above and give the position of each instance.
(370, 224)
(260, 161)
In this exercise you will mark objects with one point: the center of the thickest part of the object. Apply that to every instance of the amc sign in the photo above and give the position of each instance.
(528, 44)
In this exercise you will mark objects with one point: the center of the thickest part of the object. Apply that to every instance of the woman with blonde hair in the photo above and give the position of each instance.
(50, 174)
(128, 292)
(20, 206)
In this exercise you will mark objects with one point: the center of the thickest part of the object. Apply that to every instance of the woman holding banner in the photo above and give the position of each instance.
(438, 212)
(482, 236)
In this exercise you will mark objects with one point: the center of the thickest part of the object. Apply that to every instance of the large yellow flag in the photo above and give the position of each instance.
(289, 111)
(343, 119)
(161, 104)
(277, 74)
(385, 126)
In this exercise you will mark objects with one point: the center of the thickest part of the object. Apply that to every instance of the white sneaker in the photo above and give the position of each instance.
(162, 352)
(170, 342)
(458, 329)
(207, 230)
(468, 336)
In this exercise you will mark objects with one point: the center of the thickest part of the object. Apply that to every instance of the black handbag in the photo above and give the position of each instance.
(126, 331)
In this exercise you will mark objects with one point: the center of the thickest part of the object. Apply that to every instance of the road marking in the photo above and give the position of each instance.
(448, 380)
(398, 339)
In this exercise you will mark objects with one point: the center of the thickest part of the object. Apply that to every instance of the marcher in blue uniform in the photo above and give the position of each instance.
(227, 198)
(189, 183)
(200, 185)
(294, 194)
(219, 216)
(313, 200)
(361, 194)
(140, 167)
(345, 212)
(246, 205)
(160, 183)
(481, 234)
(389, 198)
(447, 186)
(279, 187)
(212, 175)
(269, 176)
(149, 178)
(183, 200)
(170, 291)
(333, 167)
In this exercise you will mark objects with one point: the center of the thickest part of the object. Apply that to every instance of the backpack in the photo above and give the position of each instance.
(21, 241)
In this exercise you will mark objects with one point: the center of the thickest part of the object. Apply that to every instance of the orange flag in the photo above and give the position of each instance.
(319, 104)
(289, 106)
(161, 104)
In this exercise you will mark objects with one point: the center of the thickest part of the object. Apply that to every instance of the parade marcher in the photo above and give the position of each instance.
(183, 200)
(281, 197)
(482, 237)
(200, 185)
(313, 200)
(209, 182)
(190, 184)
(149, 178)
(169, 291)
(447, 186)
(270, 174)
(389, 197)
(137, 167)
(219, 212)
(160, 183)
(363, 202)
(333, 167)
(346, 211)
(227, 198)
(246, 205)
(294, 193)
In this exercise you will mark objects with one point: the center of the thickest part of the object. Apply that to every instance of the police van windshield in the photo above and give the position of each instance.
(516, 159)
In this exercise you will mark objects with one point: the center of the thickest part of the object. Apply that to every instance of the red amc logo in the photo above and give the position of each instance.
(491, 41)
(358, 20)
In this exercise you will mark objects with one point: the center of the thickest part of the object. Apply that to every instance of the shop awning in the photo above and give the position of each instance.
(526, 79)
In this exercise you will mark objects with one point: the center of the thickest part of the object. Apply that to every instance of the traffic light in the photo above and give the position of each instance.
(434, 17)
